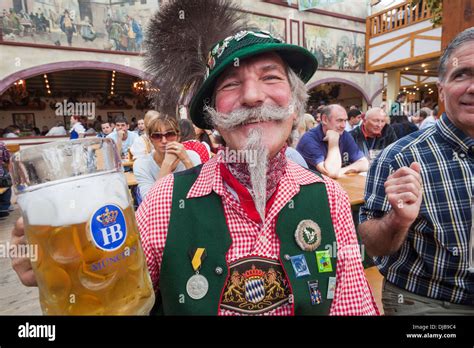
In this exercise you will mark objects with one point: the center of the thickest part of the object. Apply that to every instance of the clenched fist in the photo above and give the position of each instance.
(404, 193)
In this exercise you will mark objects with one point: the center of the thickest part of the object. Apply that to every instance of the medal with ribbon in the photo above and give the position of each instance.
(197, 286)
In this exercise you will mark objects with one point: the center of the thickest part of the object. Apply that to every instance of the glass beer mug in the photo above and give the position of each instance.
(78, 213)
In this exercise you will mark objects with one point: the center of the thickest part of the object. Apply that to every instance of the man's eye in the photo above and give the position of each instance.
(228, 85)
(460, 76)
(271, 77)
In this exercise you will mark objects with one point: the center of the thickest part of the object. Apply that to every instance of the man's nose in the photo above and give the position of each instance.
(252, 94)
(470, 87)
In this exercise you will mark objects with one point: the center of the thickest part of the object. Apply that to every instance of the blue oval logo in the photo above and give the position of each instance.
(108, 227)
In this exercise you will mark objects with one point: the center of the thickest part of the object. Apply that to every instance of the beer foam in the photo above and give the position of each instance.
(73, 201)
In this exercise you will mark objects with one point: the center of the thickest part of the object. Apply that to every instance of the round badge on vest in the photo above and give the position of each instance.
(308, 235)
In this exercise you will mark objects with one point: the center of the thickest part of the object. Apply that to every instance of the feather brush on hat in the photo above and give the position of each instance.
(178, 40)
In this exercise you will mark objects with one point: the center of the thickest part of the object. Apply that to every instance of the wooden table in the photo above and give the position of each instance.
(131, 180)
(354, 185)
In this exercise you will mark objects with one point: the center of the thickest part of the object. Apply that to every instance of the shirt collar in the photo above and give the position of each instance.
(454, 135)
(210, 179)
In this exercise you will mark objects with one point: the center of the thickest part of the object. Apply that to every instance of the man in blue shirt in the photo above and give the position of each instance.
(417, 219)
(329, 148)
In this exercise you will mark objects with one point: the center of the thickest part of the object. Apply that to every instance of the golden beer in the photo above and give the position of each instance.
(90, 260)
(76, 278)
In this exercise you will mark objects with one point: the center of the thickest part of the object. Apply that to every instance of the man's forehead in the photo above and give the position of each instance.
(462, 55)
(338, 112)
(268, 59)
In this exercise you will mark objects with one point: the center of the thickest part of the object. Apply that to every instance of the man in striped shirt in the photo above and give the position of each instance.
(417, 220)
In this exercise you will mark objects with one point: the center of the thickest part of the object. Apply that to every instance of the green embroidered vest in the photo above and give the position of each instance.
(200, 223)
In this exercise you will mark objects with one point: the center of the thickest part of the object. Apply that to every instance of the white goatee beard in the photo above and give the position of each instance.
(258, 169)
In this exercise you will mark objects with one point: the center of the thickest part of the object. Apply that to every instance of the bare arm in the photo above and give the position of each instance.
(169, 164)
(361, 165)
(175, 152)
(386, 235)
(333, 162)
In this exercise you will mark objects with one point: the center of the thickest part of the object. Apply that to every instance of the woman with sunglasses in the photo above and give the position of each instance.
(168, 154)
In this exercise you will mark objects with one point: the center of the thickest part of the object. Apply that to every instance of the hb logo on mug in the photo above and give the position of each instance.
(108, 227)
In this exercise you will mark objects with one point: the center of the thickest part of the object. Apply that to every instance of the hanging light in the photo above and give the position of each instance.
(143, 87)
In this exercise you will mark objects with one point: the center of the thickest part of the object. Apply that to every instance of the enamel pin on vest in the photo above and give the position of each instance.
(308, 235)
(197, 285)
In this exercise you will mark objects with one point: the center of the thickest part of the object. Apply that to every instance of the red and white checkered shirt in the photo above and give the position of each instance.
(352, 296)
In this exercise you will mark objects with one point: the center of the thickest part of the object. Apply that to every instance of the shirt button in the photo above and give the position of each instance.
(263, 239)
(218, 270)
(287, 257)
(462, 155)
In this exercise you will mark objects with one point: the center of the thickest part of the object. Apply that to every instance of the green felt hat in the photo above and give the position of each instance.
(242, 45)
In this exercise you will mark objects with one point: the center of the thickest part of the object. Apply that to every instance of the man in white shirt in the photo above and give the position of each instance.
(122, 136)
(428, 121)
(354, 117)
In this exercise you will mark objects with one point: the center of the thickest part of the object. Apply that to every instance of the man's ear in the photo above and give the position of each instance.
(324, 119)
(440, 91)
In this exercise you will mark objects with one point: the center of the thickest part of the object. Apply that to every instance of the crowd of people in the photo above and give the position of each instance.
(270, 215)
(337, 141)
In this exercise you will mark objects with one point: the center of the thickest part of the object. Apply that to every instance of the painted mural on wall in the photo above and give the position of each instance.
(116, 25)
(354, 8)
(275, 26)
(336, 49)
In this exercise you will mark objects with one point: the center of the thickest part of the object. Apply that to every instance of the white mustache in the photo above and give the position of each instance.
(244, 116)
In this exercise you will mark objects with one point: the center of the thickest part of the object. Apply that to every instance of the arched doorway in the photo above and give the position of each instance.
(336, 90)
(9, 80)
(43, 96)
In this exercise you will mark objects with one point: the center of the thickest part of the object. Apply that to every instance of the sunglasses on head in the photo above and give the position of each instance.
(168, 135)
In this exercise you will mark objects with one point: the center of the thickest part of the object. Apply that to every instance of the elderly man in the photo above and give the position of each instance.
(374, 134)
(251, 237)
(417, 220)
(329, 148)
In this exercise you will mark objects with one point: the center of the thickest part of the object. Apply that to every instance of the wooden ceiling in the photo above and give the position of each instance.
(80, 81)
(419, 69)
